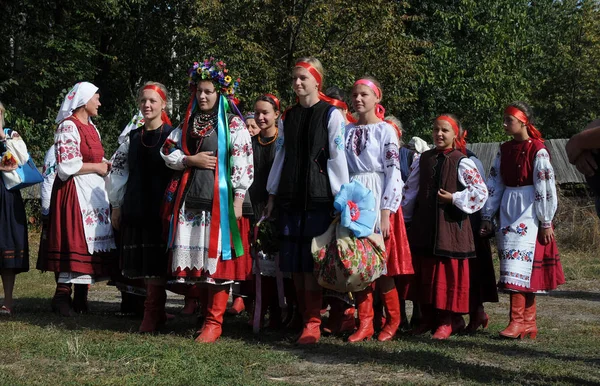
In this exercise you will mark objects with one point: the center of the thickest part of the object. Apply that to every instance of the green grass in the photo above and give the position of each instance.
(101, 348)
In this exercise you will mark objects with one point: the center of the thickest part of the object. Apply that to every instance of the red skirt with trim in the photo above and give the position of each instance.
(547, 273)
(238, 268)
(65, 248)
(444, 283)
(399, 260)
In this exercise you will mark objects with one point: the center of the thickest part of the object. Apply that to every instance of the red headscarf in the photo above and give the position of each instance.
(161, 93)
(460, 142)
(522, 117)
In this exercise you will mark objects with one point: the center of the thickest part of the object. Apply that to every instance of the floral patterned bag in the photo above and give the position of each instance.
(349, 256)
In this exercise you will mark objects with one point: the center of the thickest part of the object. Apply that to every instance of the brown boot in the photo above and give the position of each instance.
(516, 327)
(530, 317)
(213, 322)
(311, 332)
(391, 302)
(364, 303)
(80, 298)
(477, 318)
(61, 302)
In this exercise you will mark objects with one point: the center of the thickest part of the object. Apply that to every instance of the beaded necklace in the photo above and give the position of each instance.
(160, 129)
(271, 141)
(204, 124)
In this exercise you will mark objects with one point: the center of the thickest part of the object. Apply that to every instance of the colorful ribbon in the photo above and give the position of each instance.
(460, 142)
(161, 93)
(522, 117)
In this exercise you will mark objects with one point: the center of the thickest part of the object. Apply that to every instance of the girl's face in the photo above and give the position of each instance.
(303, 82)
(443, 135)
(513, 126)
(91, 107)
(151, 104)
(364, 99)
(206, 95)
(265, 115)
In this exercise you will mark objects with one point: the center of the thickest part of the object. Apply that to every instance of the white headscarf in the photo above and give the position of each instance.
(79, 95)
(418, 145)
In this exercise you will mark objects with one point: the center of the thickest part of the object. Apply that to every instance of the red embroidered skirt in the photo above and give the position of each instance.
(66, 249)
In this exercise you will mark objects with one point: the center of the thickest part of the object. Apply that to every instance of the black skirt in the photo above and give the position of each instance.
(14, 246)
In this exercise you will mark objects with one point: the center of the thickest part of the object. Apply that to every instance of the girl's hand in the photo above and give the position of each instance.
(8, 168)
(115, 218)
(238, 203)
(486, 228)
(444, 197)
(384, 225)
(545, 235)
(203, 160)
(102, 169)
(268, 211)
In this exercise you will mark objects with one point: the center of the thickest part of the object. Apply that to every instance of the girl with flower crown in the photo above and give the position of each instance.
(79, 230)
(523, 190)
(212, 151)
(137, 183)
(443, 188)
(309, 169)
(372, 154)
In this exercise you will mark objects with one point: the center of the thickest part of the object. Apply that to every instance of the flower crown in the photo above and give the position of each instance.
(215, 71)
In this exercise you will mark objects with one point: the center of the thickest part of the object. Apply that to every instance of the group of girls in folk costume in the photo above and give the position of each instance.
(14, 245)
(138, 180)
(212, 152)
(80, 236)
(523, 194)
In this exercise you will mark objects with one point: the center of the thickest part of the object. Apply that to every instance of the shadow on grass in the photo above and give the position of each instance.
(583, 295)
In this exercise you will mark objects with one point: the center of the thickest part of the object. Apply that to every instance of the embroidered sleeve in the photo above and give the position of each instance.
(392, 184)
(119, 174)
(411, 189)
(275, 173)
(171, 150)
(67, 142)
(49, 174)
(495, 185)
(473, 197)
(337, 166)
(242, 160)
(546, 200)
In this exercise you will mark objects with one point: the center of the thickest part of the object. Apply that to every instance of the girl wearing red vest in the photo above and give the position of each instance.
(522, 189)
(443, 188)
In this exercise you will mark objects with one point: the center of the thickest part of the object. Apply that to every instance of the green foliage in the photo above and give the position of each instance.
(467, 57)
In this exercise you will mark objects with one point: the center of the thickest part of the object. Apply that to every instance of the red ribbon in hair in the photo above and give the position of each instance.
(334, 102)
(379, 109)
(522, 117)
(460, 142)
(161, 93)
(274, 98)
(398, 131)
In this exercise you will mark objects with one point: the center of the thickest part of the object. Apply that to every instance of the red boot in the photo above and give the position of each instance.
(61, 302)
(444, 330)
(191, 301)
(477, 318)
(237, 306)
(530, 317)
(154, 309)
(213, 322)
(364, 303)
(391, 303)
(311, 333)
(516, 327)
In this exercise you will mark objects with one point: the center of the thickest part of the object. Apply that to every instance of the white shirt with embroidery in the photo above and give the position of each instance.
(337, 167)
(469, 200)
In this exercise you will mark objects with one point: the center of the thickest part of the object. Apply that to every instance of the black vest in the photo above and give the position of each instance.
(304, 183)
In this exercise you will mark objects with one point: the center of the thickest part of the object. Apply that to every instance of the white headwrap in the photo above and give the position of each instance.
(136, 121)
(79, 95)
(418, 145)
